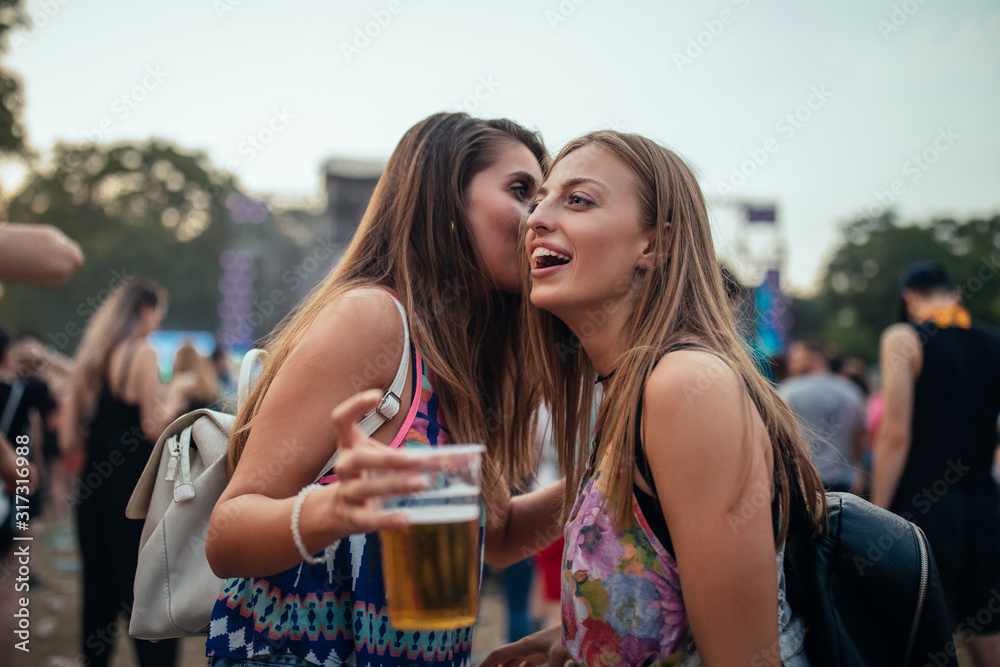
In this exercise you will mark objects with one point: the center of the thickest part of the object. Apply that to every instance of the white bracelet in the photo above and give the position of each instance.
(297, 536)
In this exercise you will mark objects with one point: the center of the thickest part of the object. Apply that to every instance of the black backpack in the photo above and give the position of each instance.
(868, 590)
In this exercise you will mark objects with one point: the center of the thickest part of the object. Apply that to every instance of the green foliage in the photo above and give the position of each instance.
(149, 209)
(860, 291)
(12, 142)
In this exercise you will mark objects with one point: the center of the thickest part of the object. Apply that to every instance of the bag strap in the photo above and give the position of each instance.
(391, 401)
(387, 408)
(250, 360)
(13, 403)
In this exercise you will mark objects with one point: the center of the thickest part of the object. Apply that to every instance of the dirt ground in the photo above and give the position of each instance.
(55, 610)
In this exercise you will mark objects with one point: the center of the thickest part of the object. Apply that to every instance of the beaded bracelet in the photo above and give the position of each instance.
(297, 536)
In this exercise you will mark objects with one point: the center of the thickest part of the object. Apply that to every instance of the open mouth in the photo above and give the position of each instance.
(543, 258)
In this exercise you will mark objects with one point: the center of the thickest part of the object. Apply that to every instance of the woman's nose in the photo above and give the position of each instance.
(540, 218)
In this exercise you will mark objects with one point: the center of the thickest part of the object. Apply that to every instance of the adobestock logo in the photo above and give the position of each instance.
(363, 35)
(786, 126)
(127, 102)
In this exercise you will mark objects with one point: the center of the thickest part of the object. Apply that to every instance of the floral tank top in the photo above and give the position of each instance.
(622, 602)
(335, 613)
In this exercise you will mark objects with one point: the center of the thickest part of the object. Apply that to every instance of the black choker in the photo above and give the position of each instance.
(602, 378)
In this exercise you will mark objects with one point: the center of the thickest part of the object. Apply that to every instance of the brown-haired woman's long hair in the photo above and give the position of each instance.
(114, 323)
(415, 238)
(680, 298)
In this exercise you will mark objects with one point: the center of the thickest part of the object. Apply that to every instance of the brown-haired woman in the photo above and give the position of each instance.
(116, 410)
(675, 539)
(440, 235)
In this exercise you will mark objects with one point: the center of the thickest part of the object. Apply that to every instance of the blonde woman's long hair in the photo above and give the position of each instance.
(680, 298)
(188, 360)
(415, 238)
(116, 321)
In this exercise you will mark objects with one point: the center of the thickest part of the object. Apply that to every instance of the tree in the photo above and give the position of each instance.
(150, 209)
(12, 141)
(860, 291)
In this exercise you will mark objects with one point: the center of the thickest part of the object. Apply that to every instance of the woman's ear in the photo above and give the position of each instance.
(650, 255)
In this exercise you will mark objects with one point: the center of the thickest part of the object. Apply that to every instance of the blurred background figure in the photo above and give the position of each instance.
(115, 412)
(548, 563)
(937, 442)
(223, 371)
(26, 408)
(831, 410)
(190, 368)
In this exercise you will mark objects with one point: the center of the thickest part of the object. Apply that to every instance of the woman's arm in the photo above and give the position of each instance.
(709, 455)
(70, 441)
(293, 437)
(36, 254)
(528, 523)
(900, 360)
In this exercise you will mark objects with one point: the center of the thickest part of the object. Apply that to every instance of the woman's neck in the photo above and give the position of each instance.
(600, 337)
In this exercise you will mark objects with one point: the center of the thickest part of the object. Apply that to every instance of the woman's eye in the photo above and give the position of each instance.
(532, 206)
(579, 200)
(521, 189)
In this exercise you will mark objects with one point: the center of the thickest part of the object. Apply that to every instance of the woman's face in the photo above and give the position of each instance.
(497, 199)
(584, 239)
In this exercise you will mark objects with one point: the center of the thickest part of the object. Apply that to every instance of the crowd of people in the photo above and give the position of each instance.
(593, 314)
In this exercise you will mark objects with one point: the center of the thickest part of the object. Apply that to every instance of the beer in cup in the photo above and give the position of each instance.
(432, 566)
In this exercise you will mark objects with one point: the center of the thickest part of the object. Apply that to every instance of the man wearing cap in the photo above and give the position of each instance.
(936, 442)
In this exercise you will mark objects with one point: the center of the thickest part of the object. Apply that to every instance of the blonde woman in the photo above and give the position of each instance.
(189, 366)
(115, 411)
(681, 504)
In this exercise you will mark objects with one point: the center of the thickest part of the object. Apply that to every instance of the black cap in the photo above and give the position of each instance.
(923, 276)
(926, 275)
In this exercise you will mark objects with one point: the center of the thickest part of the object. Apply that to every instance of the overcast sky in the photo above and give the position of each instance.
(819, 107)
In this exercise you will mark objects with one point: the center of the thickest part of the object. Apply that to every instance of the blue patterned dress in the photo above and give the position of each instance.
(335, 613)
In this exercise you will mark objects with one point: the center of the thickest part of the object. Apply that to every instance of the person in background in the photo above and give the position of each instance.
(26, 409)
(220, 362)
(40, 256)
(115, 411)
(936, 443)
(205, 390)
(831, 410)
(856, 371)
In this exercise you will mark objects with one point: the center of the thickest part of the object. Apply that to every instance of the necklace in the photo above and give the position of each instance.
(602, 378)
